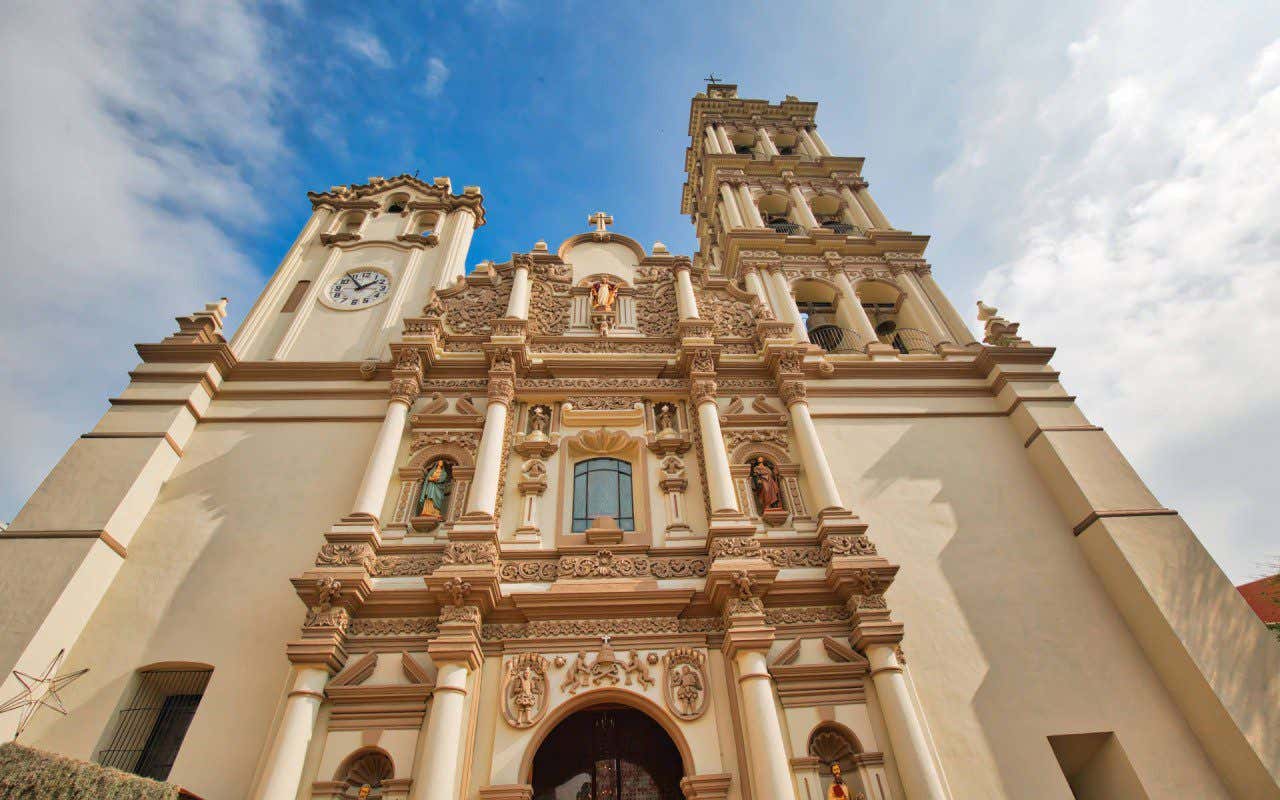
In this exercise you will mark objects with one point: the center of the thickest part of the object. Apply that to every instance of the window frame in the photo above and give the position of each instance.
(582, 493)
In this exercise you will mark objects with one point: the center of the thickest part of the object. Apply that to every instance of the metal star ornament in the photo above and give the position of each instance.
(40, 691)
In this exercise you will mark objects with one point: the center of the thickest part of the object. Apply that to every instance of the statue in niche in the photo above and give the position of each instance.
(539, 422)
(666, 417)
(603, 295)
(433, 500)
(764, 482)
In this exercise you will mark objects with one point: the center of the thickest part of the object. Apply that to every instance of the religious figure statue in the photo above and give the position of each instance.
(603, 295)
(837, 790)
(764, 481)
(524, 692)
(686, 685)
(666, 417)
(539, 421)
(436, 486)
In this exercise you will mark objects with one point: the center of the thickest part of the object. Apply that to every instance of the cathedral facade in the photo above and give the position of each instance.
(764, 523)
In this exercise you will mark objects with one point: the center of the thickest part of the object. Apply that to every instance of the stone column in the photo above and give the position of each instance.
(785, 303)
(919, 300)
(283, 772)
(959, 330)
(769, 763)
(483, 497)
(436, 775)
(518, 303)
(719, 479)
(382, 461)
(919, 775)
(752, 277)
(395, 306)
(856, 215)
(810, 146)
(807, 219)
(713, 142)
(853, 312)
(731, 206)
(453, 261)
(822, 482)
(817, 139)
(766, 142)
(753, 216)
(726, 144)
(270, 301)
(685, 300)
(873, 210)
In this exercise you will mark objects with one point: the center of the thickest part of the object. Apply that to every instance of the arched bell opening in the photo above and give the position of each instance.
(607, 739)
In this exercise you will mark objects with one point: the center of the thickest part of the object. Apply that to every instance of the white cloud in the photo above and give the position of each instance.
(367, 44)
(437, 75)
(1135, 191)
(131, 134)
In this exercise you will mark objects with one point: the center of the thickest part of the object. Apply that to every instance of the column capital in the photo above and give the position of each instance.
(502, 388)
(793, 392)
(404, 390)
(702, 391)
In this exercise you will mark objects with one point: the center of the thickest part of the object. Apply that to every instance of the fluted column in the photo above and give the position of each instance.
(436, 775)
(857, 215)
(919, 300)
(453, 261)
(822, 483)
(483, 497)
(719, 479)
(731, 206)
(766, 142)
(518, 303)
(770, 766)
(873, 210)
(283, 772)
(959, 330)
(919, 775)
(807, 219)
(382, 461)
(752, 211)
(685, 300)
(854, 315)
(784, 303)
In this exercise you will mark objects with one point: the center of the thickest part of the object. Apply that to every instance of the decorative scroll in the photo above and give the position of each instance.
(656, 313)
(393, 626)
(577, 628)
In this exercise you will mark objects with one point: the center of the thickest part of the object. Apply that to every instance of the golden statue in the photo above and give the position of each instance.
(364, 792)
(603, 294)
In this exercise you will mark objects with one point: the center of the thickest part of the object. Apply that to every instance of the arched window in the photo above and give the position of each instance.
(397, 203)
(602, 488)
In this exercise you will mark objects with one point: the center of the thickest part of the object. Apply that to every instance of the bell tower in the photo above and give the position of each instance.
(368, 257)
(762, 188)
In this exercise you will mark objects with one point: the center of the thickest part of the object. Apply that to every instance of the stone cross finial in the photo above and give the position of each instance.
(600, 219)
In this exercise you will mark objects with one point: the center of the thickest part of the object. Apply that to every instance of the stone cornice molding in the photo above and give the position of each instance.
(354, 196)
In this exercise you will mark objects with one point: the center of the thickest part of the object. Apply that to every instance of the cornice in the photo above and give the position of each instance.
(354, 196)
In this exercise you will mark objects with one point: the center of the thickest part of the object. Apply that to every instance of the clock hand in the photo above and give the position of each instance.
(359, 286)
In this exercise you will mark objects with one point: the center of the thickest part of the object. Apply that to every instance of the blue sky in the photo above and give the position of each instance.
(1099, 171)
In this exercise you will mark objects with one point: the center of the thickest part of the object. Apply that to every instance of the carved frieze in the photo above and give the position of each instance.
(345, 555)
(543, 571)
(468, 442)
(735, 547)
(847, 545)
(684, 684)
(393, 626)
(606, 669)
(470, 553)
(404, 566)
(524, 690)
(576, 628)
(730, 316)
(656, 313)
(473, 309)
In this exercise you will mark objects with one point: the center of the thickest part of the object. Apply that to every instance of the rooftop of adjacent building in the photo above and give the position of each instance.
(1263, 596)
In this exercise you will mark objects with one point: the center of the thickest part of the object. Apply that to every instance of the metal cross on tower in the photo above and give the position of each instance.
(712, 80)
(600, 219)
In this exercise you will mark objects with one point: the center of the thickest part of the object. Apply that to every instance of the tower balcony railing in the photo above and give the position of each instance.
(789, 228)
(844, 228)
(910, 341)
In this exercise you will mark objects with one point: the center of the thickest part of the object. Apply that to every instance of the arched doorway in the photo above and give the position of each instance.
(607, 752)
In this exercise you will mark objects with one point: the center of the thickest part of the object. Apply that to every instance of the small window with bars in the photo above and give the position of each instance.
(153, 723)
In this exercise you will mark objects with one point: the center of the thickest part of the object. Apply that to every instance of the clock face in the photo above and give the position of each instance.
(358, 289)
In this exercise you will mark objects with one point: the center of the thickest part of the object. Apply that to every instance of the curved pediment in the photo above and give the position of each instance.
(590, 254)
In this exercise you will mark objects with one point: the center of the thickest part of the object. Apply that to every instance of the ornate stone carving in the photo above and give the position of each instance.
(800, 615)
(730, 316)
(345, 555)
(844, 544)
(783, 557)
(735, 547)
(393, 626)
(656, 308)
(467, 615)
(576, 628)
(735, 439)
(456, 589)
(474, 308)
(524, 690)
(324, 612)
(684, 685)
(549, 303)
(402, 566)
(466, 406)
(606, 669)
(604, 564)
(679, 567)
(702, 361)
(792, 392)
(436, 404)
(702, 391)
(466, 441)
(868, 592)
(528, 571)
(470, 553)
(602, 403)
(404, 390)
(604, 384)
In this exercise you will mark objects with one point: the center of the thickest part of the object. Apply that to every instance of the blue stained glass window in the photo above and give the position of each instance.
(602, 487)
